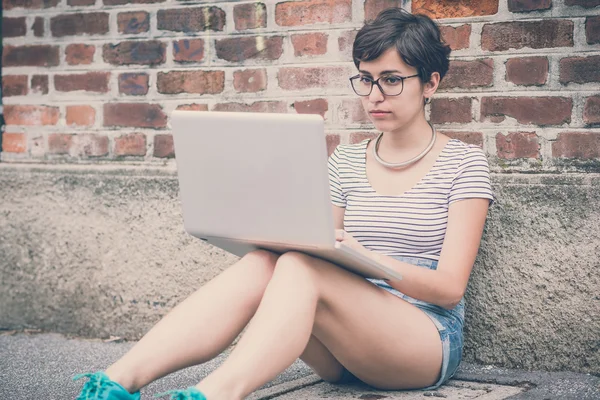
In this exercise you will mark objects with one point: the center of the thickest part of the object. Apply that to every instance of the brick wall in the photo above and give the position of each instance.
(94, 81)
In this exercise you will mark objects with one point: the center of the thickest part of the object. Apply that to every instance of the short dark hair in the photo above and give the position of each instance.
(416, 38)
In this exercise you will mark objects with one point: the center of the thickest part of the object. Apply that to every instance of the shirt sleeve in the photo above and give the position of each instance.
(337, 195)
(472, 178)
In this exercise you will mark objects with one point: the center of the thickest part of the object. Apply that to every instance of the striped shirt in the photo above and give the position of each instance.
(414, 223)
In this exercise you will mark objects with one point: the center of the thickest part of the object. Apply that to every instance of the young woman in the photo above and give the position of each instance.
(413, 199)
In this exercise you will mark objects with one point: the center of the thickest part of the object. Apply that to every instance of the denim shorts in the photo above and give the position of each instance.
(448, 322)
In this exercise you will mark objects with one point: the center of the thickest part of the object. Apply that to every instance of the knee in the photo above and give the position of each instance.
(293, 261)
(262, 261)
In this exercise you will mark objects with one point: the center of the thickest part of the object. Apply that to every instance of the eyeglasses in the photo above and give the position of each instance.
(390, 85)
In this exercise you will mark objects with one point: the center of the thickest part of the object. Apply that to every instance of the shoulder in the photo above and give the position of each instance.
(350, 152)
(465, 152)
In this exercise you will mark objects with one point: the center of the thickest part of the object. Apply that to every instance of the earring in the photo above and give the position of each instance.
(427, 100)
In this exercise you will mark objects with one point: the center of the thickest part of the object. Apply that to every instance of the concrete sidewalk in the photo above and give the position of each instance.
(41, 366)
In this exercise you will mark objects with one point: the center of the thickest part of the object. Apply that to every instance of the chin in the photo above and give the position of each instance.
(386, 126)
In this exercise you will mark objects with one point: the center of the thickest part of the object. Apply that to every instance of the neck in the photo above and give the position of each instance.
(410, 138)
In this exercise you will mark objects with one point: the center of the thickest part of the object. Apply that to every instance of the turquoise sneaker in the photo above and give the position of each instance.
(101, 387)
(190, 393)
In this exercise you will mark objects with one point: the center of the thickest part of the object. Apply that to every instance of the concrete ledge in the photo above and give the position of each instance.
(100, 251)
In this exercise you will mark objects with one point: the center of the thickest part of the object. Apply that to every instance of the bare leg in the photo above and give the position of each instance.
(276, 337)
(383, 340)
(196, 331)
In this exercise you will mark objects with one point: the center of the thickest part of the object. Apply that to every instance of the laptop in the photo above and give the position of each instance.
(260, 181)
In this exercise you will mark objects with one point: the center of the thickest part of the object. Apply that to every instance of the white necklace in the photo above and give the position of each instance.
(408, 162)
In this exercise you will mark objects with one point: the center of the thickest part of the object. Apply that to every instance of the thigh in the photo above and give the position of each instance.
(380, 338)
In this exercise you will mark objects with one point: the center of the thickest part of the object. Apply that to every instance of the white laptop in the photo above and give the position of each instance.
(258, 180)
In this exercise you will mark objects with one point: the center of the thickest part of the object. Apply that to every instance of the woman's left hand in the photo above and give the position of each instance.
(348, 240)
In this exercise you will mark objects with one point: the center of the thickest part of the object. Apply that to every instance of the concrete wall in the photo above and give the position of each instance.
(95, 81)
(102, 251)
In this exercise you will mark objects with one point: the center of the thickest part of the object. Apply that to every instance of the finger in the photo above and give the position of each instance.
(339, 234)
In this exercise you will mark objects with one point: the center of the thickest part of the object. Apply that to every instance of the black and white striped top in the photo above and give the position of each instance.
(414, 223)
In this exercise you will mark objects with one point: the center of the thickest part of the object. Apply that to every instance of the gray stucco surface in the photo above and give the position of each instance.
(100, 251)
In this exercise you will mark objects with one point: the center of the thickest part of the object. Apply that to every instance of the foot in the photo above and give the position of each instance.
(101, 387)
(190, 393)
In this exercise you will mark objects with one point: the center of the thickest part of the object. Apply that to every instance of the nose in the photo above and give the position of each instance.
(376, 95)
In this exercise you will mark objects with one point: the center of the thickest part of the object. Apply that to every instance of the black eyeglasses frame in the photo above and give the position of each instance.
(376, 82)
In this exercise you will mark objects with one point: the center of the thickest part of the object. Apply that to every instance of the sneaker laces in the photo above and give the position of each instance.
(95, 387)
(190, 393)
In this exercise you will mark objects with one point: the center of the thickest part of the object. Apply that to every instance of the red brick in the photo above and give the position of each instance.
(469, 74)
(138, 115)
(133, 144)
(133, 83)
(518, 145)
(579, 69)
(121, 2)
(79, 24)
(77, 3)
(188, 50)
(317, 106)
(357, 137)
(455, 9)
(528, 110)
(89, 145)
(14, 85)
(528, 5)
(352, 111)
(30, 56)
(527, 70)
(191, 19)
(591, 110)
(345, 42)
(59, 143)
(475, 138)
(293, 13)
(198, 82)
(584, 145)
(30, 115)
(250, 16)
(540, 34)
(38, 27)
(80, 54)
(309, 44)
(39, 84)
(193, 107)
(451, 110)
(583, 3)
(250, 80)
(592, 30)
(30, 4)
(332, 142)
(374, 7)
(163, 146)
(81, 115)
(151, 52)
(133, 22)
(13, 27)
(14, 142)
(89, 82)
(237, 49)
(298, 78)
(259, 106)
(458, 37)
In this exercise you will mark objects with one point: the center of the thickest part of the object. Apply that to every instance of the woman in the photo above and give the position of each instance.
(413, 199)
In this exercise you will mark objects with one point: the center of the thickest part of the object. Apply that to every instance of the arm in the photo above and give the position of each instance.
(445, 286)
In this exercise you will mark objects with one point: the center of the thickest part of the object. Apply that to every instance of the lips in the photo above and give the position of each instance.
(379, 113)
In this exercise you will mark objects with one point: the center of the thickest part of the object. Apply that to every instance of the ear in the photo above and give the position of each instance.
(429, 88)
